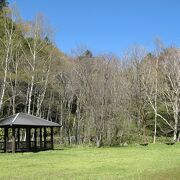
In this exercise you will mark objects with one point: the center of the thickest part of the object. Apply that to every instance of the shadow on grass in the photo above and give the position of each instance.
(35, 151)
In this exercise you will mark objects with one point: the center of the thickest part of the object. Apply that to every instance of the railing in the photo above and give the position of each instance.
(8, 146)
(23, 146)
(48, 144)
(38, 147)
(1, 145)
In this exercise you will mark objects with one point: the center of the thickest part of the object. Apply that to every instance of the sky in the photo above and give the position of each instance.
(107, 26)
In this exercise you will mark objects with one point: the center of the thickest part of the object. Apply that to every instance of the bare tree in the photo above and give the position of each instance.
(171, 88)
(7, 44)
(35, 39)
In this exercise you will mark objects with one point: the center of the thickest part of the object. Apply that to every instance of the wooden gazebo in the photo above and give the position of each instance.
(24, 132)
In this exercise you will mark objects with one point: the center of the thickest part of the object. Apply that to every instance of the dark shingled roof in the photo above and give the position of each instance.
(22, 119)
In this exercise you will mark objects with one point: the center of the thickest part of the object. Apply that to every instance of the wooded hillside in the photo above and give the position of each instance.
(102, 99)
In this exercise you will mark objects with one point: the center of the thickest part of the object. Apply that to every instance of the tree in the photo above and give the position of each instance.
(33, 48)
(8, 43)
(139, 101)
(3, 3)
(171, 89)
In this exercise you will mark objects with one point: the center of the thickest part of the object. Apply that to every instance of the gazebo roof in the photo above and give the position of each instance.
(22, 119)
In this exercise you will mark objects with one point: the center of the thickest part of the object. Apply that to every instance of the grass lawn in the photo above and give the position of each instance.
(133, 162)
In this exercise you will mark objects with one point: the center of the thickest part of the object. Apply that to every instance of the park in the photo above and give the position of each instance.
(89, 90)
(34, 159)
(158, 161)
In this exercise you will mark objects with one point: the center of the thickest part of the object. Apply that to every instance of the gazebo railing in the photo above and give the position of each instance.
(48, 145)
(22, 146)
(1, 145)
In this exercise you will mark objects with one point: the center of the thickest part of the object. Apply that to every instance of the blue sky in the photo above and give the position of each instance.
(107, 25)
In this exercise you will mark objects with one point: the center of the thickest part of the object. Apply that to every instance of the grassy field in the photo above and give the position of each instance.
(133, 162)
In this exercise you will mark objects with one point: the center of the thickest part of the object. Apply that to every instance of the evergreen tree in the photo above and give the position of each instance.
(3, 3)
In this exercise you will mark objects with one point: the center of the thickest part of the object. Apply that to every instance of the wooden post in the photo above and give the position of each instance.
(40, 134)
(5, 138)
(18, 137)
(52, 139)
(45, 134)
(28, 138)
(13, 140)
(35, 138)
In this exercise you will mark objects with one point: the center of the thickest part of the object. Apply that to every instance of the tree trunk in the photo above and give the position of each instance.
(30, 95)
(176, 119)
(155, 127)
(175, 128)
(41, 96)
(5, 78)
(98, 141)
(61, 122)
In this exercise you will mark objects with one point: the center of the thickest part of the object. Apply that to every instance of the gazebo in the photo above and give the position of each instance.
(24, 132)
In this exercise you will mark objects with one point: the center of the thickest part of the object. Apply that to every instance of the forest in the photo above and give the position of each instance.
(103, 99)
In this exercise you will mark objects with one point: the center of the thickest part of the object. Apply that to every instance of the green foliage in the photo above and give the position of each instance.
(86, 54)
(3, 3)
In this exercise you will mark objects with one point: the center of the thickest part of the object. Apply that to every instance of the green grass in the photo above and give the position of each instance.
(133, 162)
